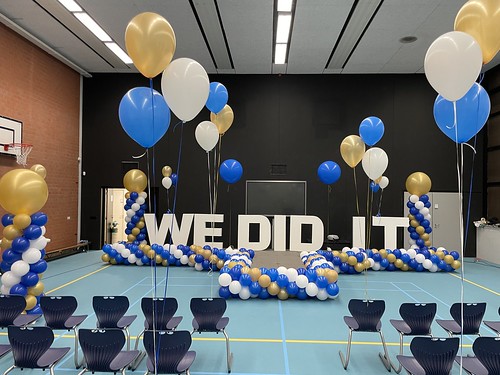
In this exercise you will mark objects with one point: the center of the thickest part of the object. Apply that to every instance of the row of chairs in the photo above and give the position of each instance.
(112, 329)
(416, 320)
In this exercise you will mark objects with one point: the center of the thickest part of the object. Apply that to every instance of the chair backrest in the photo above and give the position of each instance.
(158, 311)
(166, 349)
(207, 312)
(473, 316)
(418, 316)
(487, 350)
(366, 313)
(29, 344)
(100, 347)
(11, 306)
(435, 355)
(57, 309)
(109, 310)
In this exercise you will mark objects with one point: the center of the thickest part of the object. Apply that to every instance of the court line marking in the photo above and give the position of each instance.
(476, 284)
(77, 279)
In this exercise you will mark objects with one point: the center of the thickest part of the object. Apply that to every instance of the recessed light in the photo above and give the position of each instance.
(408, 39)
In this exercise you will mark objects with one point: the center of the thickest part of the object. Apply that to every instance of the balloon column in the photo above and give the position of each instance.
(23, 193)
(135, 182)
(418, 184)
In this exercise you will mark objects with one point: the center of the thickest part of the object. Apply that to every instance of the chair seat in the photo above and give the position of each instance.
(123, 359)
(172, 324)
(495, 326)
(411, 364)
(472, 365)
(74, 321)
(126, 321)
(401, 326)
(183, 365)
(51, 356)
(221, 324)
(353, 324)
(4, 349)
(25, 319)
(449, 325)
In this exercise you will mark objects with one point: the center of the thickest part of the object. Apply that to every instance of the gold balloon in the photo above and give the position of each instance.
(151, 254)
(359, 267)
(420, 230)
(456, 264)
(23, 191)
(135, 231)
(113, 261)
(331, 275)
(21, 221)
(391, 258)
(481, 19)
(405, 267)
(449, 259)
(30, 301)
(398, 263)
(283, 294)
(10, 232)
(320, 271)
(245, 270)
(37, 289)
(427, 243)
(105, 258)
(383, 253)
(135, 180)
(223, 120)
(273, 289)
(377, 181)
(352, 150)
(166, 171)
(352, 260)
(131, 238)
(140, 224)
(158, 259)
(150, 43)
(40, 170)
(418, 183)
(164, 263)
(264, 281)
(127, 195)
(5, 244)
(414, 223)
(440, 254)
(425, 237)
(255, 273)
(343, 257)
(220, 263)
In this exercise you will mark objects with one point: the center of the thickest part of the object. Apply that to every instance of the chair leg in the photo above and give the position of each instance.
(77, 364)
(141, 355)
(385, 357)
(228, 352)
(398, 370)
(83, 371)
(127, 337)
(9, 369)
(345, 361)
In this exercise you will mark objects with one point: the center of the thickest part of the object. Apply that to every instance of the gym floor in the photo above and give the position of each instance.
(271, 336)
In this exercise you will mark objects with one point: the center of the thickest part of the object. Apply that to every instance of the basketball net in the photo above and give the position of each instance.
(22, 151)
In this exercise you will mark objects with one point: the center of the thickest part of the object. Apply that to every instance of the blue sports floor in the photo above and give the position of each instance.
(271, 336)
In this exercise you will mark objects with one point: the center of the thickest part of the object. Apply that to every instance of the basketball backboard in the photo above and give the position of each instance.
(10, 132)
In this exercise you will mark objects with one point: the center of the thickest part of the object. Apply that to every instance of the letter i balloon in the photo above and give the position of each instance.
(23, 192)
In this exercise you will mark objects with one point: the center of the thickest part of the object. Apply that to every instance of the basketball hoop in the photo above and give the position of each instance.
(21, 150)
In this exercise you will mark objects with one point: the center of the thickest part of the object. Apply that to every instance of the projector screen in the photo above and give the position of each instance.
(267, 197)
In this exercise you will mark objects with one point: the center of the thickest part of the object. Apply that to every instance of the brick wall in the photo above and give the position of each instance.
(44, 94)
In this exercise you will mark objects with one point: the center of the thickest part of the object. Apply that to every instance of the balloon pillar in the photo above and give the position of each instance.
(418, 185)
(23, 193)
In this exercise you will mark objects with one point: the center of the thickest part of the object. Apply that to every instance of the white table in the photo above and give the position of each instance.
(488, 243)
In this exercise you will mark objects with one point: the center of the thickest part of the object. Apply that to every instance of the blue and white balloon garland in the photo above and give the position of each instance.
(420, 220)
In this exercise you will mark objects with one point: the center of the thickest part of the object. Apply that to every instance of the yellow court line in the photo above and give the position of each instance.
(78, 279)
(475, 284)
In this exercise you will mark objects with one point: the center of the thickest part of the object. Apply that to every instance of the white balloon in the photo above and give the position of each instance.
(424, 211)
(166, 182)
(119, 247)
(414, 198)
(9, 279)
(20, 268)
(292, 274)
(135, 206)
(39, 243)
(312, 289)
(376, 266)
(185, 86)
(207, 135)
(125, 253)
(419, 205)
(140, 200)
(4, 289)
(132, 258)
(198, 267)
(434, 268)
(419, 258)
(127, 219)
(178, 253)
(43, 230)
(32, 255)
(281, 270)
(322, 294)
(244, 292)
(130, 212)
(235, 287)
(452, 64)
(224, 279)
(375, 162)
(143, 194)
(139, 262)
(427, 264)
(412, 253)
(302, 281)
(184, 259)
(384, 182)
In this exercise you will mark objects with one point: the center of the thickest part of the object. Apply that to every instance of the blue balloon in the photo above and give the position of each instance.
(39, 218)
(231, 171)
(255, 288)
(174, 178)
(144, 115)
(217, 97)
(302, 294)
(282, 281)
(245, 279)
(19, 289)
(39, 267)
(264, 294)
(273, 274)
(224, 292)
(371, 130)
(292, 288)
(20, 244)
(329, 172)
(32, 232)
(7, 219)
(374, 186)
(332, 289)
(472, 112)
(35, 310)
(321, 282)
(11, 256)
(5, 266)
(29, 279)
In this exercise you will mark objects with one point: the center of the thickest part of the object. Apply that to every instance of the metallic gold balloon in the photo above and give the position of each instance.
(427, 243)
(440, 254)
(352, 150)
(352, 260)
(158, 259)
(166, 171)
(22, 221)
(5, 244)
(220, 264)
(37, 289)
(23, 191)
(113, 261)
(414, 223)
(30, 301)
(135, 231)
(245, 270)
(320, 271)
(150, 43)
(135, 180)
(140, 224)
(449, 259)
(105, 258)
(273, 289)
(264, 281)
(404, 267)
(359, 267)
(131, 238)
(398, 263)
(418, 183)
(367, 264)
(331, 275)
(10, 232)
(127, 195)
(151, 254)
(164, 263)
(223, 120)
(383, 253)
(420, 230)
(255, 273)
(456, 264)
(283, 294)
(214, 259)
(40, 170)
(425, 236)
(481, 19)
(343, 257)
(391, 258)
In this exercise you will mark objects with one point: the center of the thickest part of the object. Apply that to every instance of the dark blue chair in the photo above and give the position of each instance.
(168, 352)
(4, 349)
(494, 325)
(472, 317)
(430, 356)
(11, 308)
(365, 317)
(102, 350)
(208, 317)
(110, 312)
(417, 321)
(487, 357)
(57, 312)
(31, 348)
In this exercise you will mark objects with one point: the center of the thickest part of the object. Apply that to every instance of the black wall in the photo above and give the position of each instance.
(297, 120)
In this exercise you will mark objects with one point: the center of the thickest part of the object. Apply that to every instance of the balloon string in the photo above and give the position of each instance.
(140, 156)
(216, 173)
(210, 195)
(380, 202)
(230, 213)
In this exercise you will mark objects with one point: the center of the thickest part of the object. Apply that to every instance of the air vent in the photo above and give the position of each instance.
(278, 170)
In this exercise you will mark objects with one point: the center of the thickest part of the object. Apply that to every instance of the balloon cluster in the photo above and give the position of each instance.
(22, 262)
(420, 220)
(169, 178)
(135, 181)
(144, 254)
(351, 261)
(207, 258)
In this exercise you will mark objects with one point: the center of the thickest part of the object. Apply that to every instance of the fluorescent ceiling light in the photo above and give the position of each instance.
(71, 5)
(280, 53)
(283, 29)
(119, 52)
(93, 26)
(285, 5)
